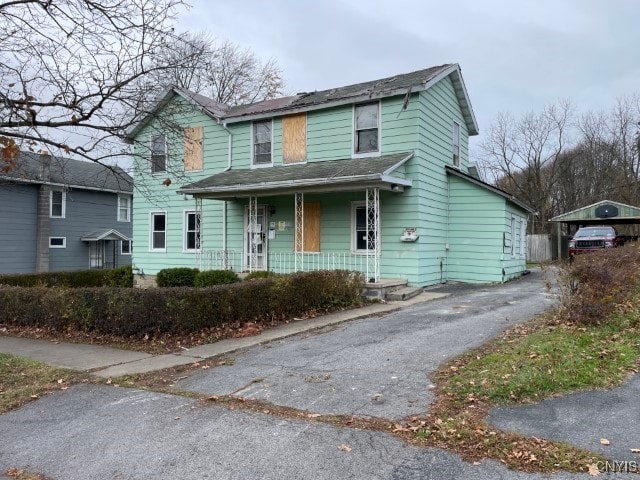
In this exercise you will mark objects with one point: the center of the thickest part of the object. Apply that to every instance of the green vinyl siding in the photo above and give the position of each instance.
(513, 264)
(152, 195)
(476, 227)
(458, 240)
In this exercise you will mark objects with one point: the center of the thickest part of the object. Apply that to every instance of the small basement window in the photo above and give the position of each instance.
(57, 242)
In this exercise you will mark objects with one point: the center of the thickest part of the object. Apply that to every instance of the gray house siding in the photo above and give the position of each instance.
(18, 207)
(86, 211)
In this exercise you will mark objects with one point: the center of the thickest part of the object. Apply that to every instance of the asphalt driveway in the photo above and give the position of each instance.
(377, 366)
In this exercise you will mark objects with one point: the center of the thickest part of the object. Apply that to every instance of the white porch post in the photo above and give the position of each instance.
(199, 261)
(373, 234)
(299, 232)
(251, 229)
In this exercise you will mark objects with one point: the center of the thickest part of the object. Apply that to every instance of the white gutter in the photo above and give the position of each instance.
(300, 183)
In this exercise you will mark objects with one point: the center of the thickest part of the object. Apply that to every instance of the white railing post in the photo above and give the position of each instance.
(199, 258)
(299, 232)
(251, 231)
(373, 234)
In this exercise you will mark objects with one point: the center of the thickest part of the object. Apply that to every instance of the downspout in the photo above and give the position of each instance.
(224, 206)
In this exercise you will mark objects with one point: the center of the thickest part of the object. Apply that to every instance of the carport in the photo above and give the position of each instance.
(604, 212)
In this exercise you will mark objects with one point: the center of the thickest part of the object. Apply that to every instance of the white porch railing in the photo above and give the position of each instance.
(285, 262)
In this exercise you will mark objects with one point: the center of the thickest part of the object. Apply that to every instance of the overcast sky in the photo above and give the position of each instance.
(515, 55)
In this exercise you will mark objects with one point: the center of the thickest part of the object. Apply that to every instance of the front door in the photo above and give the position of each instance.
(96, 254)
(256, 241)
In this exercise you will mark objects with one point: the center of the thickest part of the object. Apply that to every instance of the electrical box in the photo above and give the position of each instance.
(409, 234)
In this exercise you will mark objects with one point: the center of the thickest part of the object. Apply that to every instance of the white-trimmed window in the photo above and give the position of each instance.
(366, 123)
(262, 136)
(57, 242)
(456, 144)
(158, 154)
(158, 232)
(523, 237)
(359, 231)
(513, 236)
(191, 231)
(124, 208)
(125, 247)
(57, 204)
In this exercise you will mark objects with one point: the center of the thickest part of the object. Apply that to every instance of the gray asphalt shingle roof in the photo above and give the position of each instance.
(373, 88)
(69, 172)
(332, 170)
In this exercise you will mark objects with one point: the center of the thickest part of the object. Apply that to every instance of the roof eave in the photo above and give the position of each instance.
(162, 100)
(240, 189)
(486, 186)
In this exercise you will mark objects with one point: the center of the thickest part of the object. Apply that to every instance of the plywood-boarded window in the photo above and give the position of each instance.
(294, 138)
(311, 235)
(193, 148)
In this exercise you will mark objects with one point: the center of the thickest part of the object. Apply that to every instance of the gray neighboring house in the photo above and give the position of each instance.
(63, 214)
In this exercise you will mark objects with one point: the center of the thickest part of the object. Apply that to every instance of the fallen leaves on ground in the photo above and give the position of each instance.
(604, 441)
(594, 470)
(345, 447)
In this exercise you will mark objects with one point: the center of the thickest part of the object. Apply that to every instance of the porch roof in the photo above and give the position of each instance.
(327, 176)
(103, 234)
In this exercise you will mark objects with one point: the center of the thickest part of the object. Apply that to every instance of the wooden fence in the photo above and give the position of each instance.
(539, 248)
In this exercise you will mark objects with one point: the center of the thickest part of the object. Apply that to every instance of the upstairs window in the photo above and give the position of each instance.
(124, 208)
(158, 154)
(366, 123)
(262, 142)
(57, 204)
(456, 144)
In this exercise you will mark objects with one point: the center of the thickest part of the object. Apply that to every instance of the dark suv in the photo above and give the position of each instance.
(588, 239)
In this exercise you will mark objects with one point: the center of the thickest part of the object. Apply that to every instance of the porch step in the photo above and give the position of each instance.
(379, 290)
(404, 293)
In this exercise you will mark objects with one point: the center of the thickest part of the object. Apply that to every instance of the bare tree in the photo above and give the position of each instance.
(72, 72)
(220, 70)
(523, 156)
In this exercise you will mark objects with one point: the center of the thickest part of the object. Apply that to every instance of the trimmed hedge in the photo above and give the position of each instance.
(70, 279)
(132, 311)
(176, 277)
(120, 277)
(215, 277)
(261, 274)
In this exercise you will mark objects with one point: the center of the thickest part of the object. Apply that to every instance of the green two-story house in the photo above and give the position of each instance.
(372, 177)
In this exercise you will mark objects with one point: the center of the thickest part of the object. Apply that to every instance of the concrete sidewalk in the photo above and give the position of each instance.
(112, 362)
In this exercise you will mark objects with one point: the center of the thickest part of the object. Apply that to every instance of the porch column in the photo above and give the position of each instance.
(299, 232)
(199, 257)
(373, 234)
(252, 231)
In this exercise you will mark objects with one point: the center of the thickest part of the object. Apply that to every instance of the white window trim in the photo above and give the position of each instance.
(261, 165)
(166, 229)
(513, 236)
(523, 238)
(122, 252)
(64, 204)
(64, 242)
(455, 122)
(184, 232)
(128, 198)
(354, 136)
(354, 250)
(166, 154)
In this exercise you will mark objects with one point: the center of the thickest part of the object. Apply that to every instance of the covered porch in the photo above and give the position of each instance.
(317, 216)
